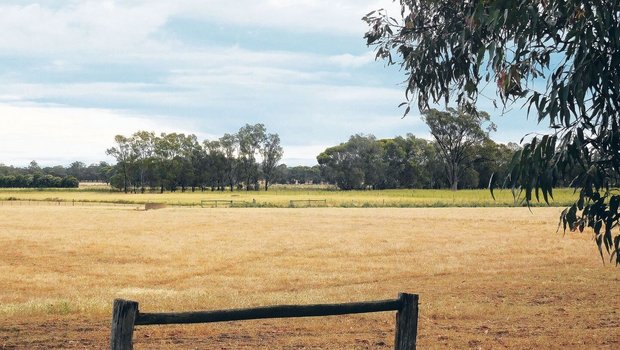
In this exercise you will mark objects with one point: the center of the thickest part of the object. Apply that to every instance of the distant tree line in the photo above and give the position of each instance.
(460, 155)
(34, 176)
(172, 161)
(364, 162)
(298, 175)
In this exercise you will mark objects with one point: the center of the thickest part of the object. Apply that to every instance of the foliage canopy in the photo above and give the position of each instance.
(173, 160)
(456, 133)
(560, 57)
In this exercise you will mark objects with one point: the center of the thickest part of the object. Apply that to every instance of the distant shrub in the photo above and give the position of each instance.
(69, 182)
(38, 180)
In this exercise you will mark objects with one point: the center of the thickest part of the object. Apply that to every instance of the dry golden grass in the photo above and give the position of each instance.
(488, 278)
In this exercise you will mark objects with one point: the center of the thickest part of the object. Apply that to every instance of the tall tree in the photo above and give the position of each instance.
(34, 167)
(167, 154)
(271, 153)
(189, 161)
(124, 158)
(216, 163)
(229, 144)
(143, 148)
(449, 49)
(250, 138)
(491, 159)
(76, 169)
(456, 133)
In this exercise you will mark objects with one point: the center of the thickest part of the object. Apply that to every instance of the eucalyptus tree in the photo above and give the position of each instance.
(167, 153)
(57, 170)
(408, 161)
(560, 57)
(125, 158)
(76, 169)
(216, 162)
(250, 139)
(190, 154)
(34, 167)
(143, 149)
(355, 164)
(229, 144)
(456, 133)
(491, 159)
(271, 153)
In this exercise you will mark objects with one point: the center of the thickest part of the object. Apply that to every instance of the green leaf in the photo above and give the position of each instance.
(617, 249)
(492, 185)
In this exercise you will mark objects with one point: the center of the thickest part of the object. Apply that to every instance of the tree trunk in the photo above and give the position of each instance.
(125, 179)
(454, 176)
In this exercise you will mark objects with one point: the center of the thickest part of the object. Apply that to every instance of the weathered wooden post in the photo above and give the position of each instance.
(123, 319)
(406, 322)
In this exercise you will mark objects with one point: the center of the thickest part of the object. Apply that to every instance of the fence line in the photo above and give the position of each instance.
(223, 203)
(309, 202)
(63, 203)
(126, 315)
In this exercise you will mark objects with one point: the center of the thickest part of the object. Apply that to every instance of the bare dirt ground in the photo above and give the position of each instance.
(488, 278)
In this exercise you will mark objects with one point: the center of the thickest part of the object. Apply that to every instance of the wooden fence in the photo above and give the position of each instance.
(222, 203)
(308, 203)
(126, 315)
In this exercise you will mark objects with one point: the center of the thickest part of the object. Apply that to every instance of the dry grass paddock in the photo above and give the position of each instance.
(488, 278)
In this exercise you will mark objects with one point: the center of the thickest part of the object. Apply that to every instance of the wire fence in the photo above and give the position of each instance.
(78, 203)
(64, 203)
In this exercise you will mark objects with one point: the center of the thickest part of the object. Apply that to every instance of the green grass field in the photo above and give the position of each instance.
(282, 197)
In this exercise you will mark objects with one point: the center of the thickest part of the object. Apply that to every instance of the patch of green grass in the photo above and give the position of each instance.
(280, 197)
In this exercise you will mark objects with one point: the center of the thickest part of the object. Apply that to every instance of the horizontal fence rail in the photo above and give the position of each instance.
(126, 316)
(283, 311)
(308, 202)
(225, 203)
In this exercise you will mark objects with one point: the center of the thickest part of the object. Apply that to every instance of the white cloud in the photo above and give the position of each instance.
(113, 27)
(112, 55)
(337, 17)
(60, 135)
(84, 26)
(352, 61)
(302, 154)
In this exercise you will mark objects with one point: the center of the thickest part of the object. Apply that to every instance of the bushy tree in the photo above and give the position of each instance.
(408, 162)
(562, 57)
(69, 182)
(456, 133)
(355, 164)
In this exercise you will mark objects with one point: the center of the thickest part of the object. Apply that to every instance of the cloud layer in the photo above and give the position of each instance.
(207, 67)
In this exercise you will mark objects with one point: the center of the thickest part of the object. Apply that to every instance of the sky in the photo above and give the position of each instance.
(75, 73)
